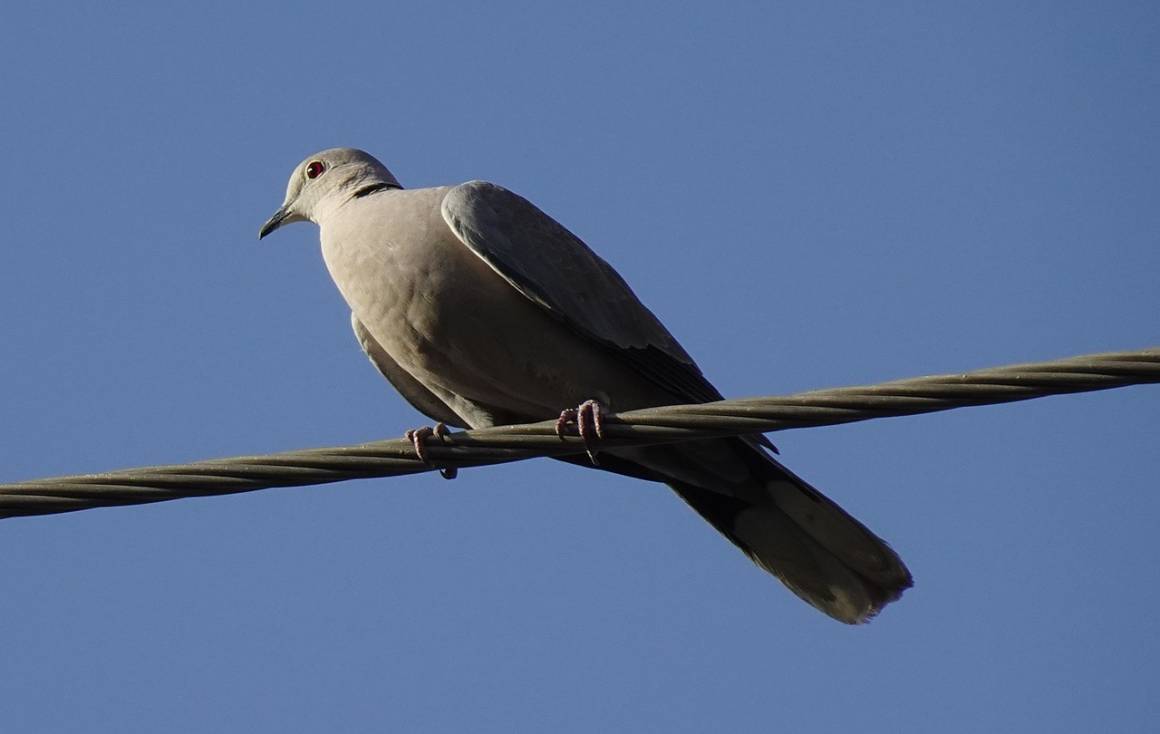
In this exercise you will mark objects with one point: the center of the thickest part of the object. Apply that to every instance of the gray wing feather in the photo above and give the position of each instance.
(553, 268)
(418, 396)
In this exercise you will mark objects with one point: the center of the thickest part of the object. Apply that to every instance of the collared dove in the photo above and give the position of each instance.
(482, 310)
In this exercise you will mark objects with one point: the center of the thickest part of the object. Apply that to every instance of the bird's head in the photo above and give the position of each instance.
(326, 180)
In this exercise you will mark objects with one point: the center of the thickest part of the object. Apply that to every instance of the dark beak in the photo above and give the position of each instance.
(274, 222)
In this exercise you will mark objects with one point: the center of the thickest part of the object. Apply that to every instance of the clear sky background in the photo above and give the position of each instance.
(809, 195)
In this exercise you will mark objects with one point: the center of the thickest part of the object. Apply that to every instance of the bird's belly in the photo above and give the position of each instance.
(474, 340)
(486, 344)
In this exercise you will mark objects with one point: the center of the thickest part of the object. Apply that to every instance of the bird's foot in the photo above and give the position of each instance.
(418, 438)
(589, 420)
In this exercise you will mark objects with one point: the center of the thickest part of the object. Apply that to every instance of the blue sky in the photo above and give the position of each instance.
(808, 195)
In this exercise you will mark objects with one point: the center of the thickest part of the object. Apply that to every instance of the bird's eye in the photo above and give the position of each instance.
(314, 169)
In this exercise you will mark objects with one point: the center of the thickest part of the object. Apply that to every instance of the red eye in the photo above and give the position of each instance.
(314, 169)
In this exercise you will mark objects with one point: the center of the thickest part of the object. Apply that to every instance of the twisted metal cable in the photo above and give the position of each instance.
(636, 428)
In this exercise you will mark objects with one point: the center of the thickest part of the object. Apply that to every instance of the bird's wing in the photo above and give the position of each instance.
(790, 529)
(418, 396)
(554, 269)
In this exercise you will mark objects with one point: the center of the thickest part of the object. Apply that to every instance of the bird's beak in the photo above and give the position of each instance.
(282, 216)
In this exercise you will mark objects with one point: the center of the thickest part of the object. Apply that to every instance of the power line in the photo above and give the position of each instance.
(640, 427)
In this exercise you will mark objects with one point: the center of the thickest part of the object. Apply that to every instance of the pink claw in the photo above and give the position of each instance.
(568, 415)
(589, 420)
(418, 438)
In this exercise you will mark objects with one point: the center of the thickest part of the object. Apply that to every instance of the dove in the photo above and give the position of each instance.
(482, 310)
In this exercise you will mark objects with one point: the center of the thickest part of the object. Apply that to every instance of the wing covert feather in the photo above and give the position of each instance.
(555, 269)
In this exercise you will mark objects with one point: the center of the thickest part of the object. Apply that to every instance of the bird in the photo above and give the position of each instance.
(482, 310)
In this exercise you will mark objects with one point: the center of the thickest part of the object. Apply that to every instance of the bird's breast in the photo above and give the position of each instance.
(447, 318)
(423, 294)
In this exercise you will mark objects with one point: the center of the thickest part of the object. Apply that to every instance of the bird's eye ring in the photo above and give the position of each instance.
(314, 169)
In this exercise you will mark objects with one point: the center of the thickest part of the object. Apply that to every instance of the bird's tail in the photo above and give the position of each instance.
(812, 545)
